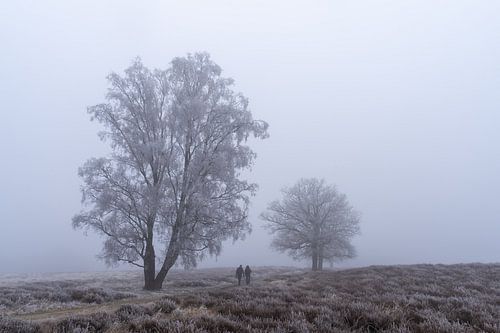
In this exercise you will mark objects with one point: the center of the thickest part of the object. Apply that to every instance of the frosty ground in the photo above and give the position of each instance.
(416, 298)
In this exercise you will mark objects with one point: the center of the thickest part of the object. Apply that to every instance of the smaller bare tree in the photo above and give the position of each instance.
(313, 220)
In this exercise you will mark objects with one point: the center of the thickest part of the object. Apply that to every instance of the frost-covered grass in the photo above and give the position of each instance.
(37, 294)
(416, 298)
(28, 293)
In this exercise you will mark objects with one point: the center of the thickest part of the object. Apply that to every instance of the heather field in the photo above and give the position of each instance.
(415, 298)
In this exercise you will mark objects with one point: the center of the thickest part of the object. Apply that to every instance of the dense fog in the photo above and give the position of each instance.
(397, 103)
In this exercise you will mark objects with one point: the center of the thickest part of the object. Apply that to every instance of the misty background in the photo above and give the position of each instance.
(397, 103)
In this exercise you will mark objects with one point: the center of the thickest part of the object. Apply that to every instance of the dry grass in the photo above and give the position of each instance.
(417, 298)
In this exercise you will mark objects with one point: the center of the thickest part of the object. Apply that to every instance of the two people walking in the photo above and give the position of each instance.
(246, 272)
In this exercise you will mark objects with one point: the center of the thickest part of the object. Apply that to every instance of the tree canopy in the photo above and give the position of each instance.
(313, 220)
(171, 189)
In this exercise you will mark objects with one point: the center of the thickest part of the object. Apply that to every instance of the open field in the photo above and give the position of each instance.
(416, 298)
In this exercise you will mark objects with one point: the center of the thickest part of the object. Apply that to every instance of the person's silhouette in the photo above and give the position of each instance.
(239, 274)
(248, 271)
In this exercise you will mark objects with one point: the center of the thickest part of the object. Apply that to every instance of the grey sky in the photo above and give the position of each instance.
(396, 102)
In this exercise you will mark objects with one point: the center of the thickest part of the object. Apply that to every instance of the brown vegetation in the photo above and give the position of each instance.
(417, 298)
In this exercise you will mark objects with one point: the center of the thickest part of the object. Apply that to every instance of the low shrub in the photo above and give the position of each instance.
(129, 312)
(94, 323)
(165, 305)
(11, 325)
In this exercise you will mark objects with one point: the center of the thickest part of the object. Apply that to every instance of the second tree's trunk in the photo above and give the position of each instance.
(315, 259)
(320, 259)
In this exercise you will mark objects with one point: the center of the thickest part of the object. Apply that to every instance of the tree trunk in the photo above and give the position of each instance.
(160, 278)
(149, 258)
(315, 259)
(316, 247)
(320, 259)
(173, 245)
(170, 257)
(149, 267)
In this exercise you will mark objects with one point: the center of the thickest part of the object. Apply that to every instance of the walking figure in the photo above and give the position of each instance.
(239, 274)
(248, 271)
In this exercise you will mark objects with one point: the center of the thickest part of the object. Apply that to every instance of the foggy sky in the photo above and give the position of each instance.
(395, 102)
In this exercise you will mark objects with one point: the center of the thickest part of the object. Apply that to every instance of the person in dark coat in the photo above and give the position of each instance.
(239, 274)
(248, 271)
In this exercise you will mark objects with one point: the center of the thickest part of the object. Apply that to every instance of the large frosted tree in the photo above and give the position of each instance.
(171, 190)
(313, 220)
